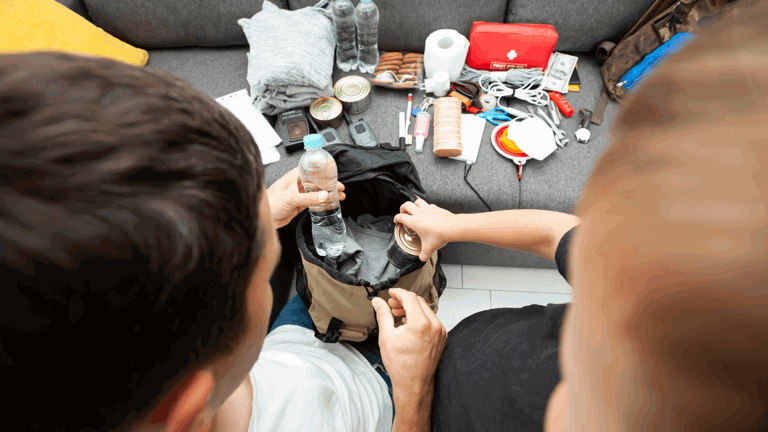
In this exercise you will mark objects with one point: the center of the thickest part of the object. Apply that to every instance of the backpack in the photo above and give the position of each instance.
(378, 181)
(664, 20)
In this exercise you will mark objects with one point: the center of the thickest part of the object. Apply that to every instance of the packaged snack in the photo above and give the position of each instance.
(399, 70)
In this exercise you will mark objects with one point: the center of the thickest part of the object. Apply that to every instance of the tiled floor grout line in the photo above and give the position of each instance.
(530, 292)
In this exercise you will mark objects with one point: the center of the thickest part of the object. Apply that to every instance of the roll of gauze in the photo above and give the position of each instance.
(445, 50)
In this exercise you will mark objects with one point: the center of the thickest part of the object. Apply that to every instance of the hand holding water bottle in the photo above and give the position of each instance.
(318, 173)
(287, 198)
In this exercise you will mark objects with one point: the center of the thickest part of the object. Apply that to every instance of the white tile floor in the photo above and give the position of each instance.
(472, 289)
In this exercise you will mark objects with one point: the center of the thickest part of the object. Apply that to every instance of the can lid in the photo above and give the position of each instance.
(352, 88)
(325, 108)
(313, 141)
(407, 239)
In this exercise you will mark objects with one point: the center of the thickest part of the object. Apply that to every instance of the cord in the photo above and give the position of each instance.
(467, 167)
(515, 77)
(531, 91)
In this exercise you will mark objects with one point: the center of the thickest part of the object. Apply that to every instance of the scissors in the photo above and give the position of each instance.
(496, 116)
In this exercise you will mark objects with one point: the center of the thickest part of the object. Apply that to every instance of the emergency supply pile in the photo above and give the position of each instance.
(465, 79)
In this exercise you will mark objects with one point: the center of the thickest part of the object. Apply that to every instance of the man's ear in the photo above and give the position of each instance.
(185, 403)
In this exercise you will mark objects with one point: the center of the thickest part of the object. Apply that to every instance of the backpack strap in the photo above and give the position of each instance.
(333, 333)
(599, 111)
(656, 8)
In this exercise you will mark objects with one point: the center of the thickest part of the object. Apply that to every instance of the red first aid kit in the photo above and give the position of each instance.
(500, 47)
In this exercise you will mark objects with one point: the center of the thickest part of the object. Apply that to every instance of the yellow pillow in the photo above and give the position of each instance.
(46, 25)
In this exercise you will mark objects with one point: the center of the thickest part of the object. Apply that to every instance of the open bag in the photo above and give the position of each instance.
(338, 295)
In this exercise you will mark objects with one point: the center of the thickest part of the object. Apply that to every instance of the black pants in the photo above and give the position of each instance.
(498, 370)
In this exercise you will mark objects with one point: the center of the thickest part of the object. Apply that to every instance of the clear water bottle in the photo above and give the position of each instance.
(367, 15)
(344, 21)
(318, 172)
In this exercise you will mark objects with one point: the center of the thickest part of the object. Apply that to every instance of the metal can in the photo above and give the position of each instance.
(404, 247)
(326, 112)
(354, 92)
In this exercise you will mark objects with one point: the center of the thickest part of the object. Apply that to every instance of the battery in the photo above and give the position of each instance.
(404, 247)
(326, 112)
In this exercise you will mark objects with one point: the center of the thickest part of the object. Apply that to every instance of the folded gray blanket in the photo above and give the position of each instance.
(290, 63)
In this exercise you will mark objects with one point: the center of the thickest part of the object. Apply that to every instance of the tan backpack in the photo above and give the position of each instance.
(378, 181)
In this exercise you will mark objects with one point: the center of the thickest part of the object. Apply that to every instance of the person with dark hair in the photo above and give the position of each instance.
(137, 241)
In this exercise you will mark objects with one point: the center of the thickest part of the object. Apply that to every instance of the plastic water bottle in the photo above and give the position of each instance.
(344, 21)
(367, 15)
(318, 172)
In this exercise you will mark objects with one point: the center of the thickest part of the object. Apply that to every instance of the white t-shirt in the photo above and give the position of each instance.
(303, 384)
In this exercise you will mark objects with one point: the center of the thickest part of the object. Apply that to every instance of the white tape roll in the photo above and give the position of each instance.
(488, 101)
(445, 50)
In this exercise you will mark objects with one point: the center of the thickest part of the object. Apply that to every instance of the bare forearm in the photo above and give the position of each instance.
(414, 414)
(533, 231)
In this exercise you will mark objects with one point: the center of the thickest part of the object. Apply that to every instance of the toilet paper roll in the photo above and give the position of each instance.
(445, 50)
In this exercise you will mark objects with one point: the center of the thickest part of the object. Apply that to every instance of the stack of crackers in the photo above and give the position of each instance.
(399, 70)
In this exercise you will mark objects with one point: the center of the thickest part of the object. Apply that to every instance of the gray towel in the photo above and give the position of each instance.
(290, 63)
(365, 251)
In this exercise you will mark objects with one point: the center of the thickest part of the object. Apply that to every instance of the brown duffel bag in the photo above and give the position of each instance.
(664, 19)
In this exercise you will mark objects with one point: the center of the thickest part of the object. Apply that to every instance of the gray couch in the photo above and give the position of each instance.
(201, 42)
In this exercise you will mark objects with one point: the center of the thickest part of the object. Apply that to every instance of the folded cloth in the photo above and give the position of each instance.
(281, 98)
(291, 56)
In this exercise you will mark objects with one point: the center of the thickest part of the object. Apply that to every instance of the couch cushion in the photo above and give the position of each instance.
(214, 71)
(163, 23)
(76, 6)
(552, 184)
(405, 25)
(580, 24)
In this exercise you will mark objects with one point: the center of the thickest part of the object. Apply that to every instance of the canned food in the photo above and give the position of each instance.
(354, 92)
(326, 112)
(404, 247)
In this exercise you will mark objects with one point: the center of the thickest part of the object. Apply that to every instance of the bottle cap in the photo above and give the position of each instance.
(419, 143)
(365, 1)
(313, 141)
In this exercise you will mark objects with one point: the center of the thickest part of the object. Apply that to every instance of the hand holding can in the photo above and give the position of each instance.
(432, 224)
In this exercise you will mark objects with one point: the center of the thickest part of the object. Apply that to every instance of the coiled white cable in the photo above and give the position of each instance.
(531, 91)
(515, 77)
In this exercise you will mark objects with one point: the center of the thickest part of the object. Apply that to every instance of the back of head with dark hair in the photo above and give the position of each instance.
(129, 232)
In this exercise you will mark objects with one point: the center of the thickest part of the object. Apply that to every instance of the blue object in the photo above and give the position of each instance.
(294, 312)
(640, 71)
(313, 141)
(496, 116)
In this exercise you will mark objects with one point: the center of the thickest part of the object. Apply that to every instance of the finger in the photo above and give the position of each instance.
(309, 199)
(428, 312)
(424, 254)
(340, 186)
(408, 207)
(342, 196)
(404, 219)
(413, 309)
(421, 203)
(383, 316)
(397, 308)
